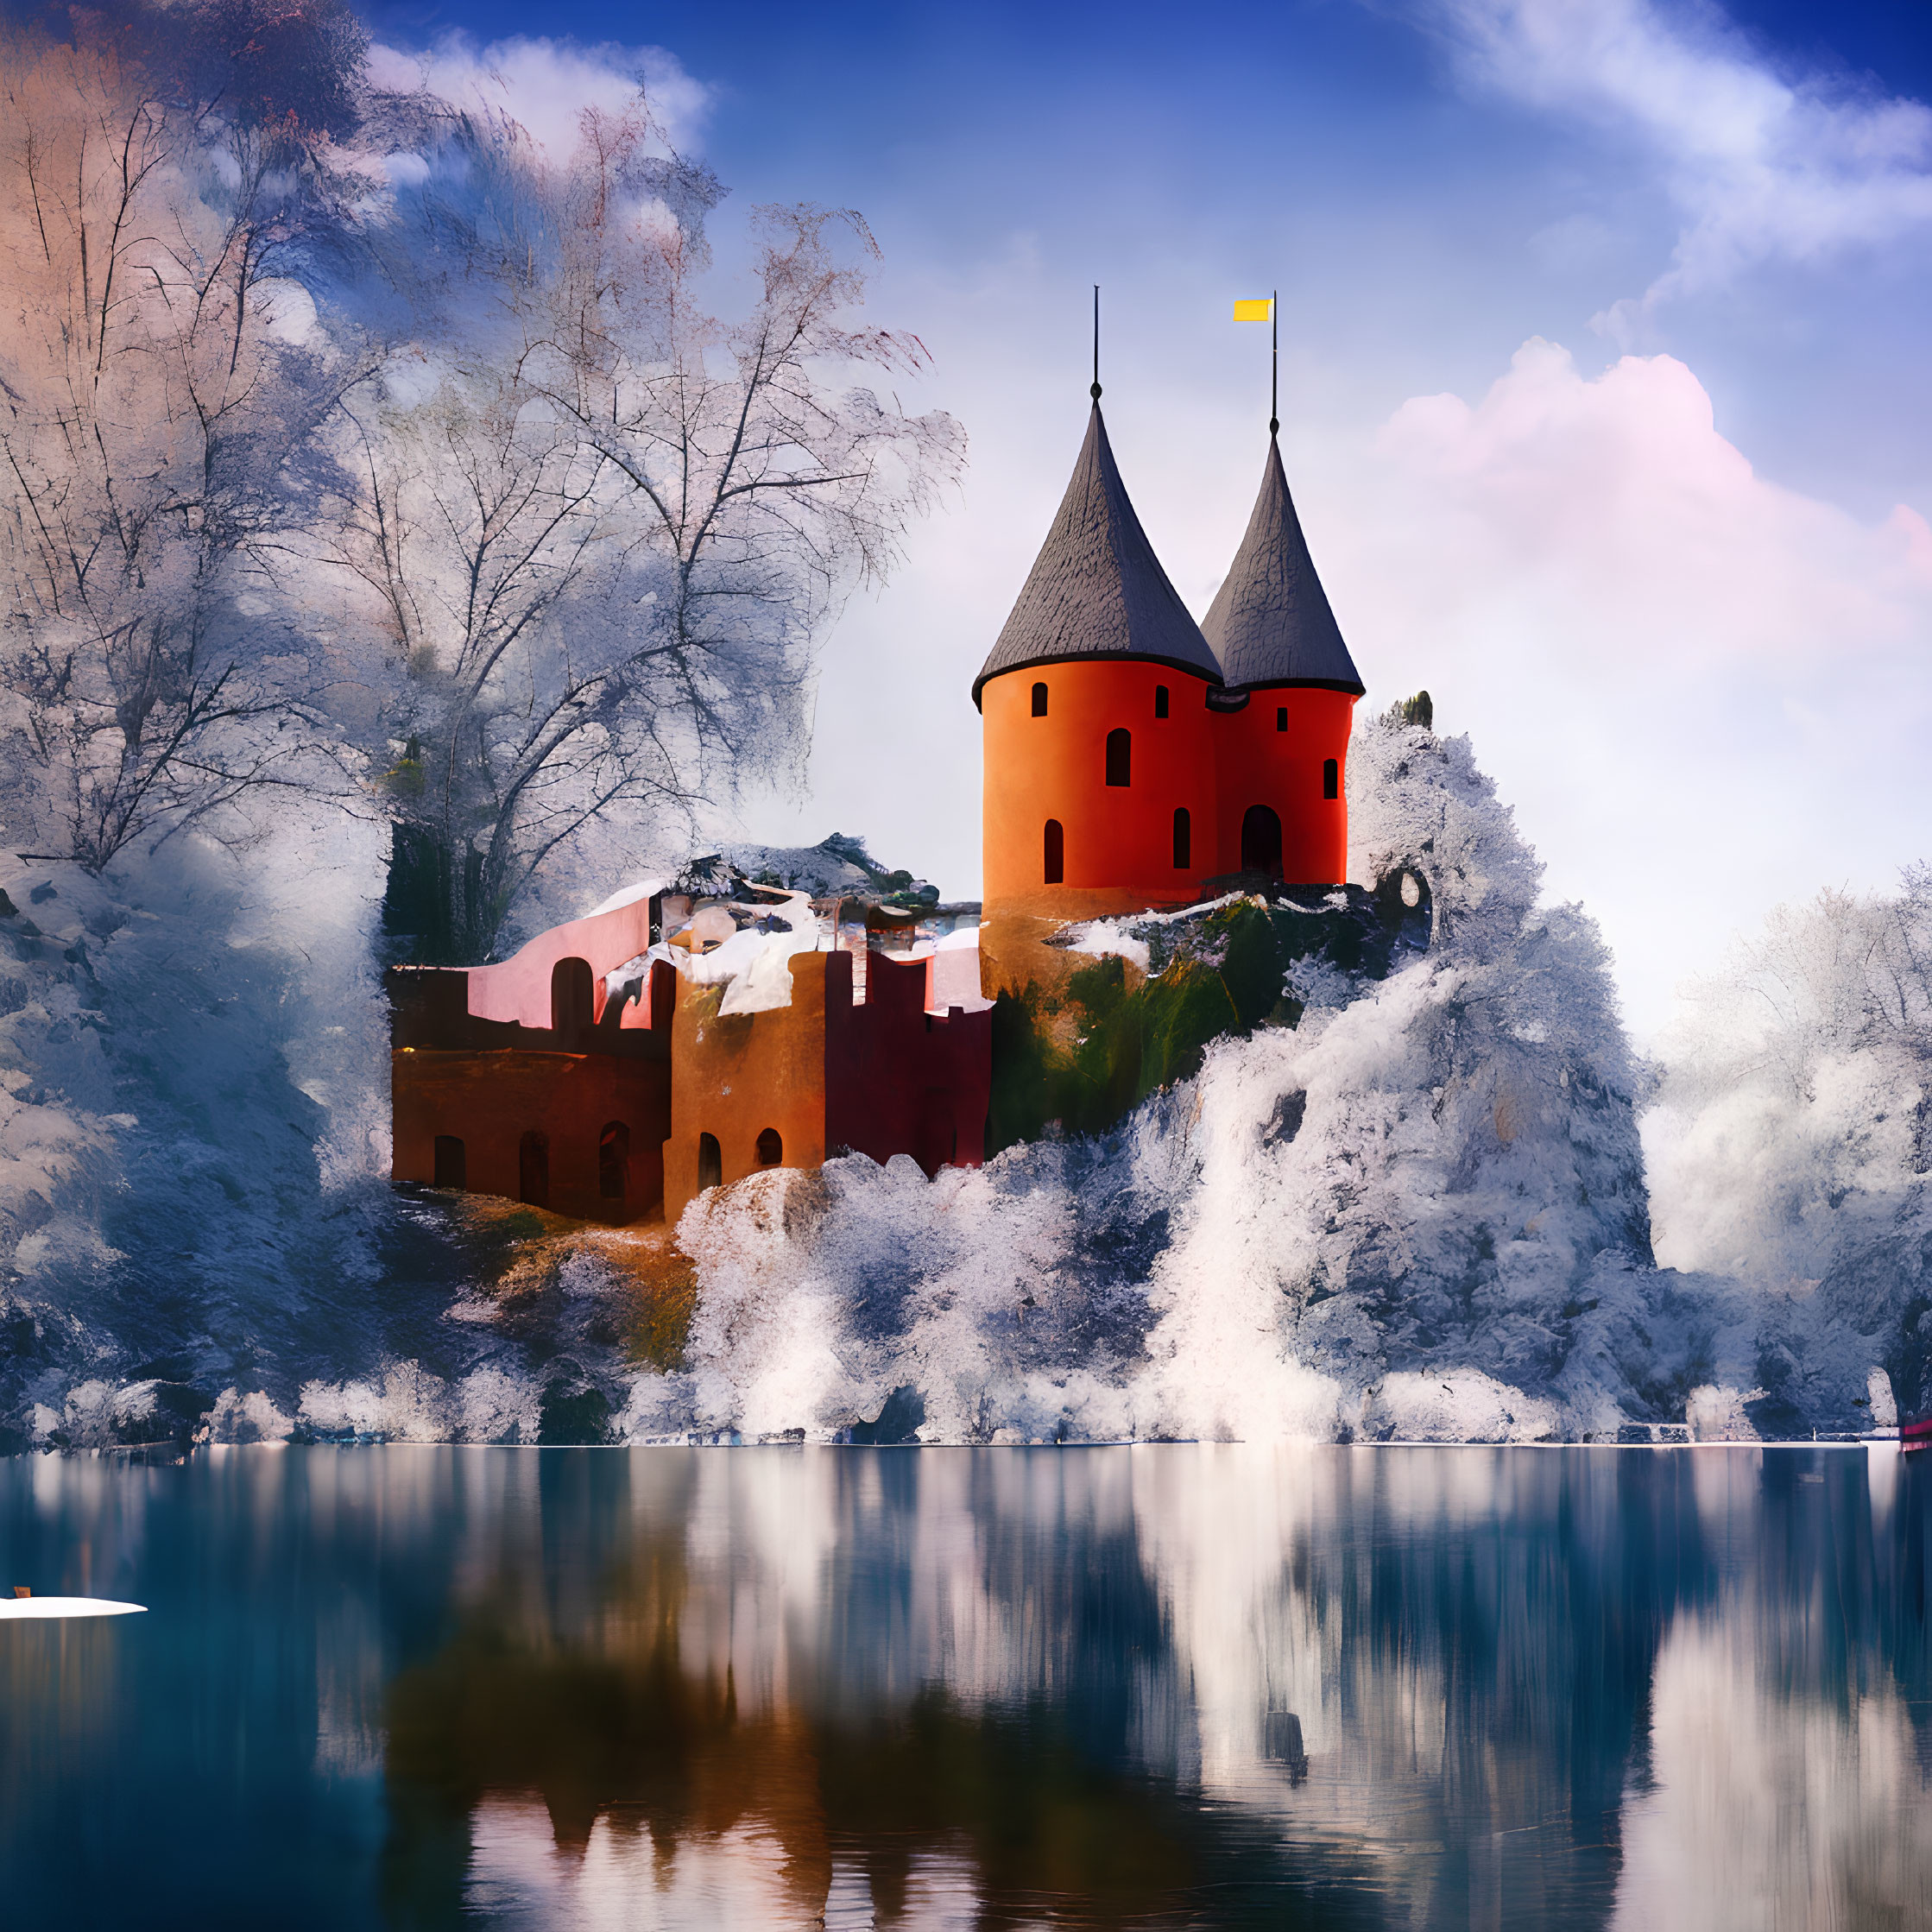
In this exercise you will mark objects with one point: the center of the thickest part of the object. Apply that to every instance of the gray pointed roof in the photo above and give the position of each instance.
(1270, 622)
(1097, 589)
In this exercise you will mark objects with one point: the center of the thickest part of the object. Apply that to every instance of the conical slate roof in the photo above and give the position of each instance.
(1270, 622)
(1097, 589)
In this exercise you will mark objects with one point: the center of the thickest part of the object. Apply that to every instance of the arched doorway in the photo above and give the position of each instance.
(711, 1162)
(533, 1169)
(1261, 841)
(771, 1148)
(451, 1167)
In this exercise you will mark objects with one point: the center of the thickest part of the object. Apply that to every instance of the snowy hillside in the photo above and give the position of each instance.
(1419, 1210)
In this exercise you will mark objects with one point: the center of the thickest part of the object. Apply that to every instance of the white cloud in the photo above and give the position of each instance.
(287, 309)
(1704, 692)
(1761, 167)
(545, 85)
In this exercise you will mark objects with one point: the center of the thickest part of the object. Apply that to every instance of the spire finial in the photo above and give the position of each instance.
(1094, 391)
(1274, 370)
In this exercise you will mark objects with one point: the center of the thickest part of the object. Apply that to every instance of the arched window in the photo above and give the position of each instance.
(572, 996)
(711, 1162)
(1281, 717)
(533, 1169)
(1040, 700)
(1261, 842)
(771, 1148)
(1055, 869)
(1184, 839)
(1119, 757)
(451, 1167)
(1160, 700)
(613, 1160)
(1331, 779)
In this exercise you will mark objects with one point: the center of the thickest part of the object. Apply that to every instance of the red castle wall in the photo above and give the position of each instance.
(1117, 841)
(1259, 763)
(882, 1078)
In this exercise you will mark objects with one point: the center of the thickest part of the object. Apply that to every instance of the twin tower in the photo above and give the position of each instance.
(1131, 755)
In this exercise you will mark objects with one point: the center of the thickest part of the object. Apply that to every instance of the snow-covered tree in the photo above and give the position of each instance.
(1793, 1138)
(156, 408)
(604, 528)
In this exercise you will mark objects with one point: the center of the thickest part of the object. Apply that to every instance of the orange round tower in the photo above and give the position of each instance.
(1282, 725)
(1099, 791)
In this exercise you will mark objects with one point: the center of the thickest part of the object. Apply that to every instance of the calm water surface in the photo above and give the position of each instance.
(979, 1689)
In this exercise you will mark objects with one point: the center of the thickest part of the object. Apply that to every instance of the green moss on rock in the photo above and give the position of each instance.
(1082, 1058)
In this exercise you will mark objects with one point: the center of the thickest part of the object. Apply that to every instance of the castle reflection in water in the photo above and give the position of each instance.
(1202, 1685)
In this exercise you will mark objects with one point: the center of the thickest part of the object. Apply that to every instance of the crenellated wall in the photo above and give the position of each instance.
(604, 1119)
(827, 1076)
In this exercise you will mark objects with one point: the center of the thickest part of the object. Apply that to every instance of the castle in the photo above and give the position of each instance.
(672, 1040)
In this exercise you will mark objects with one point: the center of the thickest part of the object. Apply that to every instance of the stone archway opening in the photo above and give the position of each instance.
(1261, 841)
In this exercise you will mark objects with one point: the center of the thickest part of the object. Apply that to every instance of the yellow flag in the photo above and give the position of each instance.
(1252, 312)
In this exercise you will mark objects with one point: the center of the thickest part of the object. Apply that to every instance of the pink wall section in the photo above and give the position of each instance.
(519, 989)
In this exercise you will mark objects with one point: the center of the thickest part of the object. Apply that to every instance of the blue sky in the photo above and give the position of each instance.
(1606, 382)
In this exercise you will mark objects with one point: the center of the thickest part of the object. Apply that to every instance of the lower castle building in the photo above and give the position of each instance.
(621, 1064)
(598, 1074)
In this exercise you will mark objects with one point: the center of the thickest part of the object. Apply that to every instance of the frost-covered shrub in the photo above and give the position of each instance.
(191, 1123)
(1793, 1136)
(1011, 1298)
(1417, 803)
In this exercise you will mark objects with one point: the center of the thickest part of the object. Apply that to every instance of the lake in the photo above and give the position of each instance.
(1163, 1685)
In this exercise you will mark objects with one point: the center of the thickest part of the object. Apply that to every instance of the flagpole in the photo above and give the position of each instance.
(1274, 369)
(1095, 392)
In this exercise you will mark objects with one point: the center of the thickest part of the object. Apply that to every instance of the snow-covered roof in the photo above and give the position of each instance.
(1097, 589)
(1270, 622)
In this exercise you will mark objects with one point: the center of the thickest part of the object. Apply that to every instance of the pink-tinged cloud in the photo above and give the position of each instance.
(1618, 496)
(1704, 691)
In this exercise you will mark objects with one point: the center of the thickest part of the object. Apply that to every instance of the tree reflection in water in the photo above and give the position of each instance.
(1190, 1684)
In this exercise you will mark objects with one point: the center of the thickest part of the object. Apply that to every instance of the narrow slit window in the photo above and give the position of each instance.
(1056, 866)
(613, 1160)
(1160, 700)
(1331, 779)
(1184, 839)
(1281, 717)
(1040, 700)
(533, 1169)
(1119, 757)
